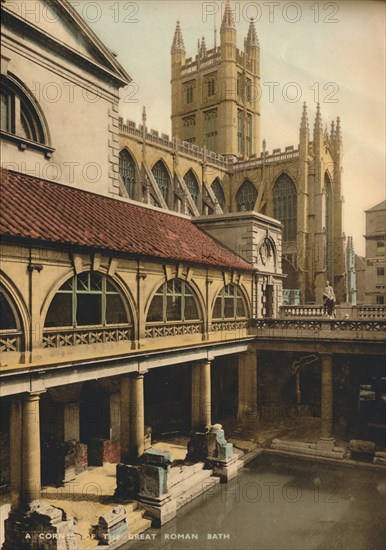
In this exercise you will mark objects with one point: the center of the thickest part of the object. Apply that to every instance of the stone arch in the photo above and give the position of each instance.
(17, 309)
(191, 285)
(124, 292)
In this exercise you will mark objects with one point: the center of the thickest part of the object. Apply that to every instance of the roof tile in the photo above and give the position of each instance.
(37, 209)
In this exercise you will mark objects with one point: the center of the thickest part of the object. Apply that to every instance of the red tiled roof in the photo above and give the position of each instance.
(34, 208)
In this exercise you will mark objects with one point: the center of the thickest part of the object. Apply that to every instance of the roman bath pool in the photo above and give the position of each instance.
(277, 503)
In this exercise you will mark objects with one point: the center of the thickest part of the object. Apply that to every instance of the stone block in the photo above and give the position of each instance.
(325, 445)
(153, 480)
(42, 527)
(379, 460)
(159, 510)
(362, 446)
(128, 481)
(157, 457)
(81, 457)
(112, 525)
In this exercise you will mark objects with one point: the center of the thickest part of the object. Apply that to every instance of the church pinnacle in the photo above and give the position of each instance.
(318, 127)
(304, 121)
(178, 41)
(252, 39)
(228, 21)
(338, 134)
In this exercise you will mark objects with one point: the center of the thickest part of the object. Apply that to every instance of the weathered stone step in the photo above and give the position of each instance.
(141, 525)
(180, 473)
(185, 485)
(196, 490)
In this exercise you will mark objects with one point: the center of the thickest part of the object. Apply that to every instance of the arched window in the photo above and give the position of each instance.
(173, 301)
(229, 303)
(329, 225)
(127, 171)
(20, 115)
(162, 178)
(86, 299)
(219, 192)
(10, 329)
(191, 182)
(246, 197)
(285, 206)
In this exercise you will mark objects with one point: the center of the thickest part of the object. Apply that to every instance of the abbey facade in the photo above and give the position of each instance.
(214, 162)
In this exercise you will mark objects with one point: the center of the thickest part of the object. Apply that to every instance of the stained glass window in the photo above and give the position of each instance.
(285, 206)
(191, 182)
(219, 192)
(127, 171)
(246, 197)
(162, 178)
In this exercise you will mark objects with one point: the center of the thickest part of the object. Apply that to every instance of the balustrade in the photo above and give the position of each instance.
(61, 337)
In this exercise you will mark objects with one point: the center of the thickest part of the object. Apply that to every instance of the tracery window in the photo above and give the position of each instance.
(189, 93)
(191, 182)
(229, 304)
(285, 206)
(162, 178)
(127, 171)
(246, 197)
(86, 299)
(173, 301)
(329, 225)
(219, 192)
(211, 86)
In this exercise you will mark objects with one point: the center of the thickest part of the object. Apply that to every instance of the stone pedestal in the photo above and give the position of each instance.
(112, 526)
(154, 496)
(212, 448)
(128, 483)
(42, 526)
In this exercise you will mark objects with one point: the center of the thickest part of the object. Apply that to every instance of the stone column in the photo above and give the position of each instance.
(15, 453)
(326, 398)
(201, 395)
(137, 417)
(125, 417)
(247, 391)
(30, 473)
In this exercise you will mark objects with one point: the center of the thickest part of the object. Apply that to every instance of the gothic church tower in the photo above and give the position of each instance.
(215, 94)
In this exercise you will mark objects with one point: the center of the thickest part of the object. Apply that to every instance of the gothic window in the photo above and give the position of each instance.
(239, 84)
(173, 301)
(191, 182)
(189, 92)
(329, 226)
(248, 89)
(219, 192)
(246, 197)
(19, 113)
(380, 275)
(86, 299)
(249, 134)
(127, 171)
(189, 129)
(285, 206)
(211, 86)
(240, 131)
(210, 129)
(162, 178)
(229, 303)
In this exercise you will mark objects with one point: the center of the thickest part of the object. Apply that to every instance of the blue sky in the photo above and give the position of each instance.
(334, 49)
